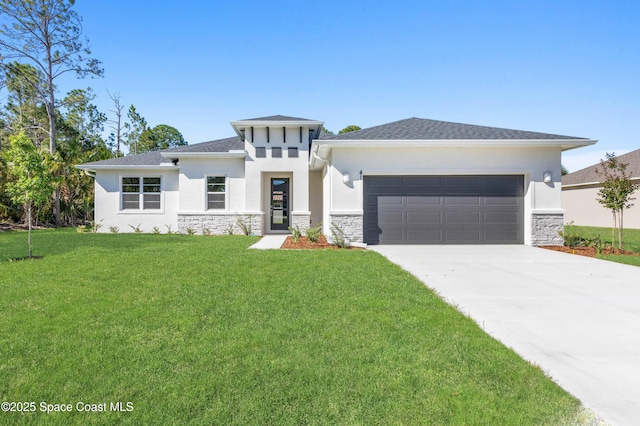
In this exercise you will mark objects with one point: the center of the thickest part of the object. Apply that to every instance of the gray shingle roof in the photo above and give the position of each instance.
(423, 129)
(155, 158)
(589, 175)
(277, 118)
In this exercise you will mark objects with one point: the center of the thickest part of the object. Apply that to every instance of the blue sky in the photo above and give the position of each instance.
(566, 67)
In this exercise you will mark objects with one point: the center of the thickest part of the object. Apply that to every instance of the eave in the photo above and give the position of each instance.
(320, 149)
(228, 154)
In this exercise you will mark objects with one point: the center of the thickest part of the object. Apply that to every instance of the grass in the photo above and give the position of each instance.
(630, 242)
(200, 330)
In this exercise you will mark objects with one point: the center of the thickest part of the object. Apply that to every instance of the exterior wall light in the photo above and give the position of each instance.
(346, 178)
(546, 177)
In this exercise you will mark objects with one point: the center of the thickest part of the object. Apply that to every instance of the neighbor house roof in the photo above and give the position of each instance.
(588, 175)
(424, 129)
(164, 157)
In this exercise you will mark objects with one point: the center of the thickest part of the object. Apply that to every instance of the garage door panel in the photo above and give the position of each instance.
(390, 200)
(416, 200)
(463, 200)
(444, 209)
(501, 218)
(429, 217)
(420, 235)
(391, 217)
(463, 217)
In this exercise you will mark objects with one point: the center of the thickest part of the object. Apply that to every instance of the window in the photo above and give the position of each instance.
(261, 152)
(293, 152)
(216, 192)
(276, 152)
(141, 193)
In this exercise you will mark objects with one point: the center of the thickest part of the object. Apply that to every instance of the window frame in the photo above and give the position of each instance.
(225, 176)
(141, 193)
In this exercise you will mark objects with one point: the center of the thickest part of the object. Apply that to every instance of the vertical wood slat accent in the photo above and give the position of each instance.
(284, 134)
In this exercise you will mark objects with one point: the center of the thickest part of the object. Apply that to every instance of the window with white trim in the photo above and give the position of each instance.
(216, 192)
(141, 193)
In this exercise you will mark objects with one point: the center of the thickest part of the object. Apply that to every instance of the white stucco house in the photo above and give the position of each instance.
(580, 196)
(410, 181)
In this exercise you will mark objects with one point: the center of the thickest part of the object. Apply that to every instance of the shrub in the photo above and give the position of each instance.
(337, 236)
(114, 229)
(229, 230)
(573, 239)
(296, 233)
(156, 230)
(314, 234)
(597, 243)
(191, 231)
(169, 231)
(245, 227)
(206, 231)
(136, 229)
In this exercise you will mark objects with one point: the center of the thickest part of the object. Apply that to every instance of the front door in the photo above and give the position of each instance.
(279, 204)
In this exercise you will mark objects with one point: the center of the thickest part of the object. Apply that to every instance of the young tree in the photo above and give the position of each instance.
(616, 191)
(33, 181)
(134, 129)
(46, 34)
(160, 137)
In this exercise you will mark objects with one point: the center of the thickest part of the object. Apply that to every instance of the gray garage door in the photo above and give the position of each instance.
(444, 209)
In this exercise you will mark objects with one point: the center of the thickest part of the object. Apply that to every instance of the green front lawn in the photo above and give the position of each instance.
(200, 330)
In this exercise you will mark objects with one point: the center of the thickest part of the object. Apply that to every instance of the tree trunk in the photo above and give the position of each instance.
(29, 238)
(614, 226)
(621, 213)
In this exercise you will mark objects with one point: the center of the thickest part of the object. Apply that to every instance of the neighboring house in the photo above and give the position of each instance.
(406, 182)
(580, 196)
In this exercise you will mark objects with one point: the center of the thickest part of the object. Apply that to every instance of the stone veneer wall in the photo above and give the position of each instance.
(544, 229)
(302, 221)
(351, 224)
(219, 224)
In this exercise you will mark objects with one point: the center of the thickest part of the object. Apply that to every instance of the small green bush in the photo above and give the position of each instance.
(573, 239)
(296, 233)
(314, 234)
(337, 236)
(244, 226)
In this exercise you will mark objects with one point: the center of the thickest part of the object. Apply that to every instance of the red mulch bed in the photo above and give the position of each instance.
(588, 251)
(304, 244)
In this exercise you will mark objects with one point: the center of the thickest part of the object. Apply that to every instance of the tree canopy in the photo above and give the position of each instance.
(160, 137)
(350, 128)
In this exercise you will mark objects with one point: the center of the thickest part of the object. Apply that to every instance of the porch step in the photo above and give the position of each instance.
(270, 242)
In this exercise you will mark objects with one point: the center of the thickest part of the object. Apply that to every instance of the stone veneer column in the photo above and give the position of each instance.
(351, 225)
(544, 229)
(301, 220)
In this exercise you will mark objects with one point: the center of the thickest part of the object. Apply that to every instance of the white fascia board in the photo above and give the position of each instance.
(228, 154)
(244, 124)
(94, 168)
(323, 147)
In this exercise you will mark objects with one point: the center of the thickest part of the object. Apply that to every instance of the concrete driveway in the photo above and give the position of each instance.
(578, 318)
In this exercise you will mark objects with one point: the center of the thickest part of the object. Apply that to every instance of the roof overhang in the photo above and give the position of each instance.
(320, 149)
(314, 125)
(93, 168)
(229, 154)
